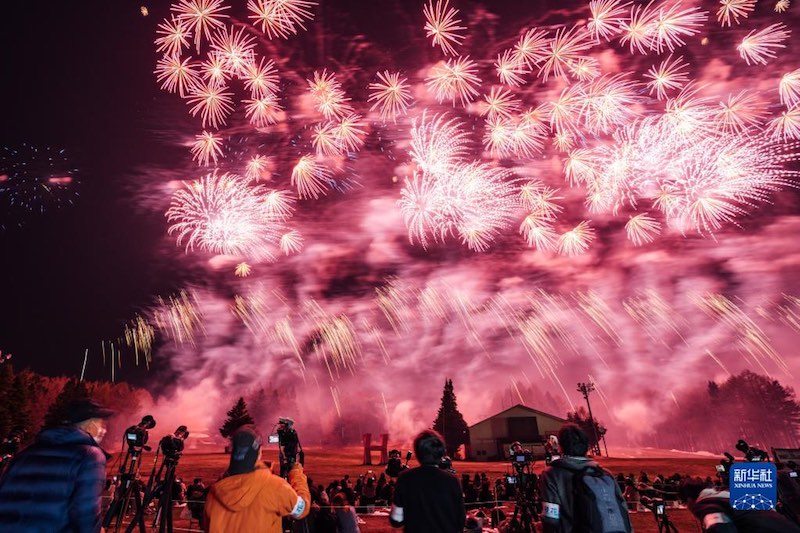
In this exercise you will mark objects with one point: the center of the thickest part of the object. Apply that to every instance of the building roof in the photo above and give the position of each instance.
(534, 411)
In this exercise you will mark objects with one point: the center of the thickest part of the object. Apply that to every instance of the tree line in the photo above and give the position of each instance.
(30, 401)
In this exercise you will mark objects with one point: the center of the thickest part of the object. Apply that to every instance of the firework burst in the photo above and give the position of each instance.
(732, 10)
(472, 202)
(177, 75)
(391, 94)
(454, 79)
(201, 16)
(442, 24)
(607, 18)
(206, 148)
(221, 214)
(310, 178)
(761, 46)
(670, 75)
(789, 89)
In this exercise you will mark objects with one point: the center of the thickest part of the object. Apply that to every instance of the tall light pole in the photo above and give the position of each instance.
(585, 389)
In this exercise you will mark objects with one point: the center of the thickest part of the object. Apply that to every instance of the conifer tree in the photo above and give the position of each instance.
(238, 416)
(450, 422)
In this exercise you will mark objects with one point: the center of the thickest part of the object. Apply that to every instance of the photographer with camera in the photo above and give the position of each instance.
(428, 499)
(57, 482)
(577, 494)
(712, 508)
(250, 498)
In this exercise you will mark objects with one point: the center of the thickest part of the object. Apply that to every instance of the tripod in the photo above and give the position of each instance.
(659, 509)
(126, 490)
(525, 511)
(162, 485)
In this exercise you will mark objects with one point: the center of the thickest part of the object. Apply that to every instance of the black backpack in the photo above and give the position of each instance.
(595, 503)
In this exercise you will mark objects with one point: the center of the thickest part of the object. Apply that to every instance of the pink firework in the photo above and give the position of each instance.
(441, 24)
(328, 95)
(213, 104)
(539, 233)
(639, 30)
(585, 69)
(761, 46)
(438, 144)
(498, 138)
(174, 38)
(509, 69)
(310, 178)
(532, 48)
(349, 133)
(673, 24)
(264, 111)
(607, 17)
(576, 241)
(261, 78)
(291, 242)
(455, 79)
(789, 89)
(563, 52)
(500, 103)
(176, 75)
(787, 126)
(472, 202)
(391, 95)
(234, 48)
(214, 69)
(206, 148)
(202, 16)
(670, 75)
(280, 18)
(540, 199)
(642, 229)
(740, 112)
(257, 167)
(730, 11)
(221, 214)
(324, 141)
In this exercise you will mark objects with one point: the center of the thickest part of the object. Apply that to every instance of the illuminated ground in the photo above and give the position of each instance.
(324, 466)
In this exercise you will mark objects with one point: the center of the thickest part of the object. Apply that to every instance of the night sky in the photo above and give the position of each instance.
(78, 76)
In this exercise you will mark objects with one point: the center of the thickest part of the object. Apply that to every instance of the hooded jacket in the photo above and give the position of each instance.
(713, 509)
(555, 487)
(255, 502)
(54, 485)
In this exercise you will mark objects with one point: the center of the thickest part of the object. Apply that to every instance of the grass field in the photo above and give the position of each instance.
(325, 465)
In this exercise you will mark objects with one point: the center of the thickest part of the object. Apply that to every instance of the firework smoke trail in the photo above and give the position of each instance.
(598, 164)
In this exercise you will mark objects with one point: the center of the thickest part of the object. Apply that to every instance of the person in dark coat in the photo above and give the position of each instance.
(56, 483)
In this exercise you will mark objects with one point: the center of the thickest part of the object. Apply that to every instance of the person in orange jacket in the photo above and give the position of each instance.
(250, 498)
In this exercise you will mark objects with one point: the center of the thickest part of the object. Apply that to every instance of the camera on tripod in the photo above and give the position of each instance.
(520, 457)
(136, 436)
(172, 445)
(751, 454)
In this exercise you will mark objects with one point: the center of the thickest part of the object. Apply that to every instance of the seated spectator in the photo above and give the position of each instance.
(346, 518)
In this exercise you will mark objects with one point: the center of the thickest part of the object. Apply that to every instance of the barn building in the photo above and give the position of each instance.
(490, 438)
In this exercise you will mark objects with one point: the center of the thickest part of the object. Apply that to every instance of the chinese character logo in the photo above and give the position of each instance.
(753, 486)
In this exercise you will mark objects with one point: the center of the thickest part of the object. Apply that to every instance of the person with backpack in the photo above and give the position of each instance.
(578, 496)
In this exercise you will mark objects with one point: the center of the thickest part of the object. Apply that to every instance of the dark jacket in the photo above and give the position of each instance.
(555, 487)
(713, 510)
(54, 485)
(428, 499)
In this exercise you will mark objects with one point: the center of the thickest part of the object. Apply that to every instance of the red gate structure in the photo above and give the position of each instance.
(383, 447)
